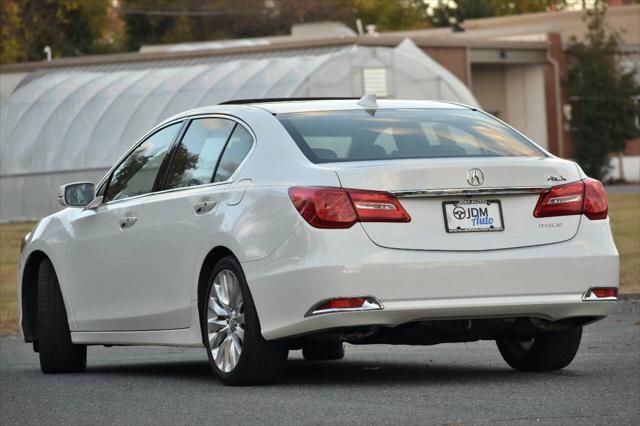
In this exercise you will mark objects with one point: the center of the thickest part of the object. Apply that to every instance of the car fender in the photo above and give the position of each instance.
(49, 237)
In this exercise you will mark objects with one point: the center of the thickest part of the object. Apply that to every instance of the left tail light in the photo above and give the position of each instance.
(329, 207)
(586, 197)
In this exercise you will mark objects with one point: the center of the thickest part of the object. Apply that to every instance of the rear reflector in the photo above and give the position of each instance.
(584, 197)
(345, 304)
(601, 293)
(327, 207)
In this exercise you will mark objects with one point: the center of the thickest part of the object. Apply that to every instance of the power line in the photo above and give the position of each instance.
(210, 12)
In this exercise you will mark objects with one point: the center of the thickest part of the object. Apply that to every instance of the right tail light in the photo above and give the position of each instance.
(586, 197)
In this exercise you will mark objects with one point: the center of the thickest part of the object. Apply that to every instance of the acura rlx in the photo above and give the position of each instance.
(253, 228)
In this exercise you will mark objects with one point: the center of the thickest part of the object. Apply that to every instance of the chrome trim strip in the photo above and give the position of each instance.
(417, 193)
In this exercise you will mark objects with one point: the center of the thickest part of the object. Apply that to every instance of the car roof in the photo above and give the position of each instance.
(287, 106)
(292, 106)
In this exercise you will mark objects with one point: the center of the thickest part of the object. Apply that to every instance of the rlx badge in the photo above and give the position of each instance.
(558, 178)
(475, 177)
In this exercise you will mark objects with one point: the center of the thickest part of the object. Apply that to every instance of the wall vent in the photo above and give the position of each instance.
(375, 81)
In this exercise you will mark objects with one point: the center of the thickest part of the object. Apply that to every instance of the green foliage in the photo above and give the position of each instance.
(69, 27)
(173, 21)
(603, 111)
(517, 7)
(451, 13)
(391, 15)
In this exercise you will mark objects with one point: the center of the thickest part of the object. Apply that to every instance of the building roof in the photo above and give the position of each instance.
(84, 117)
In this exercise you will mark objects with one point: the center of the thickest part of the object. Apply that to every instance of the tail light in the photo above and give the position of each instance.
(595, 200)
(327, 207)
(601, 293)
(585, 197)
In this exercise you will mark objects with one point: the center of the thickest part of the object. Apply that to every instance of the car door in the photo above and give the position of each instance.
(103, 288)
(172, 235)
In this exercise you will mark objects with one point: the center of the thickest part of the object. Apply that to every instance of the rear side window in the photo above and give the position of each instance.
(197, 155)
(388, 134)
(237, 148)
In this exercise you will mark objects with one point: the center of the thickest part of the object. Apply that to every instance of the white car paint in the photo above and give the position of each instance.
(139, 285)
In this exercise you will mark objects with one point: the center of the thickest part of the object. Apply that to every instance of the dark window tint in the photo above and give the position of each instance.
(388, 134)
(197, 155)
(137, 173)
(237, 148)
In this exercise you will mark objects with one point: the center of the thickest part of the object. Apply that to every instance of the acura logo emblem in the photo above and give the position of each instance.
(475, 177)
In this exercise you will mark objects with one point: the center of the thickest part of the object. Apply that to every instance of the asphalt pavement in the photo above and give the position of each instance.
(627, 188)
(444, 384)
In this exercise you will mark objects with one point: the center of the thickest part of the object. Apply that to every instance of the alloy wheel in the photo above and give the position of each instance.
(225, 321)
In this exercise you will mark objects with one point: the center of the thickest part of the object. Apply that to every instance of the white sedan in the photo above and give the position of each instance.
(254, 228)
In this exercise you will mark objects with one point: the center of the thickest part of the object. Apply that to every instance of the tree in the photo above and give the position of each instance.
(451, 13)
(517, 7)
(69, 27)
(603, 110)
(173, 21)
(391, 15)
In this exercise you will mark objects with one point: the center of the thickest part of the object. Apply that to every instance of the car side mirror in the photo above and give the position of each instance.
(79, 194)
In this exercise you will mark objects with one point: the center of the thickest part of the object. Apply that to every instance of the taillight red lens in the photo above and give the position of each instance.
(562, 200)
(586, 197)
(605, 292)
(325, 207)
(595, 200)
(348, 303)
(373, 206)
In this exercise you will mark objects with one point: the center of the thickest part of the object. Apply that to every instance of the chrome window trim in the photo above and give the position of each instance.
(178, 120)
(419, 193)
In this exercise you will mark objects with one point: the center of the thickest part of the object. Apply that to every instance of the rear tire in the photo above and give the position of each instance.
(57, 353)
(321, 351)
(542, 352)
(233, 319)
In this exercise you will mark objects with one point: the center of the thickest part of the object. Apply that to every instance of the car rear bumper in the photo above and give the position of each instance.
(313, 265)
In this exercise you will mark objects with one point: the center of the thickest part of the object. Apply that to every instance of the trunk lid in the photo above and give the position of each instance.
(422, 186)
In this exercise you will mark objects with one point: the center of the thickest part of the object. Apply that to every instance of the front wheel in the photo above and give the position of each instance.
(238, 354)
(541, 352)
(57, 353)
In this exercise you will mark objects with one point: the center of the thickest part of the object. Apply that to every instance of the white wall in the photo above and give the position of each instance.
(31, 197)
(630, 165)
(525, 97)
(489, 87)
(8, 83)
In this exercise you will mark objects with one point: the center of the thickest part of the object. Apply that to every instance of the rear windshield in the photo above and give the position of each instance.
(388, 134)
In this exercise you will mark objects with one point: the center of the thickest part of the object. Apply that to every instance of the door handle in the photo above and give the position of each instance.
(204, 206)
(127, 221)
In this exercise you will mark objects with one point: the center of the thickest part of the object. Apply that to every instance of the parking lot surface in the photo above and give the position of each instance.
(445, 384)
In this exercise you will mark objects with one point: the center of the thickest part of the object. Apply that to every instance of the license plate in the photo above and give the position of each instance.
(473, 216)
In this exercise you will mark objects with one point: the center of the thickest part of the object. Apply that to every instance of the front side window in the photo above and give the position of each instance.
(389, 134)
(137, 173)
(197, 155)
